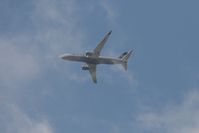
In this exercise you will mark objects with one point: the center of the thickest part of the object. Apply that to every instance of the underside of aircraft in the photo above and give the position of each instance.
(93, 58)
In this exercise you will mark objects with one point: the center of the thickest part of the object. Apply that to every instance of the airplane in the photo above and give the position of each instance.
(93, 58)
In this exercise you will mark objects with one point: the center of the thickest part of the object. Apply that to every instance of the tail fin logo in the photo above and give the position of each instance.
(124, 57)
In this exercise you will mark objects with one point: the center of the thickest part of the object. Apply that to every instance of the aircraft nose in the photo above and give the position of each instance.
(61, 56)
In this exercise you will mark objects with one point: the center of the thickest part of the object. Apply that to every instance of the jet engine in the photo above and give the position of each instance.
(85, 67)
(89, 53)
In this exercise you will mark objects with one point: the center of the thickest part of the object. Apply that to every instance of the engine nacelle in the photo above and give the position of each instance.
(89, 53)
(85, 67)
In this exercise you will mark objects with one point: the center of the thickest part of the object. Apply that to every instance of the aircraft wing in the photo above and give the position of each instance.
(92, 70)
(99, 47)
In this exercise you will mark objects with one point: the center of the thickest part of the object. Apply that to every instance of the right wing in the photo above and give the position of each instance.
(99, 47)
(92, 70)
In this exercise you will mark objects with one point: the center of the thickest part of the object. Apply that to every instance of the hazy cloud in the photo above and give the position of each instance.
(15, 120)
(56, 24)
(181, 118)
(110, 10)
(24, 56)
(17, 62)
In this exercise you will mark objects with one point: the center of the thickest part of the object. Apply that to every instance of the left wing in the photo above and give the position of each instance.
(92, 70)
(99, 47)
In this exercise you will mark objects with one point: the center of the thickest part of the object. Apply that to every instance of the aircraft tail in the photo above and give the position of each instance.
(124, 57)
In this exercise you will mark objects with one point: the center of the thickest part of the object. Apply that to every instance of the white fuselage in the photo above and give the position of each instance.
(92, 59)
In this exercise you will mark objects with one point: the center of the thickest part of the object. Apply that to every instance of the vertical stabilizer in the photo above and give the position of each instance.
(125, 58)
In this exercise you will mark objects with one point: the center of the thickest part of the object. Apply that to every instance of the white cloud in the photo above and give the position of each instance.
(17, 64)
(16, 121)
(127, 75)
(110, 10)
(26, 55)
(56, 24)
(183, 118)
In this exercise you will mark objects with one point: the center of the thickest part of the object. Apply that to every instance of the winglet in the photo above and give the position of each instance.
(110, 32)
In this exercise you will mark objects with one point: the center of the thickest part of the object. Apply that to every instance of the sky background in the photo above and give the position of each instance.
(41, 93)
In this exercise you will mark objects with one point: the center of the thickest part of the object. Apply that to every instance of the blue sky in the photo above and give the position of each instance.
(41, 93)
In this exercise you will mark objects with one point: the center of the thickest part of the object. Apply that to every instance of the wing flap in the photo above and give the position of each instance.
(92, 70)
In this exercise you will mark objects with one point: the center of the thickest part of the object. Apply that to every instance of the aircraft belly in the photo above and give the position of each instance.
(92, 60)
(89, 60)
(108, 61)
(102, 61)
(74, 58)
